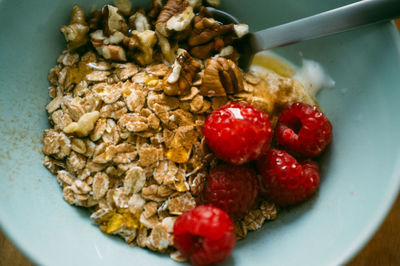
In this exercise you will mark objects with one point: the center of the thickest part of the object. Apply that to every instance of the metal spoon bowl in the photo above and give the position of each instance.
(330, 22)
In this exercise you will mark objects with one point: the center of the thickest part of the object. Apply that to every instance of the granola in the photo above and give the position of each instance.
(127, 110)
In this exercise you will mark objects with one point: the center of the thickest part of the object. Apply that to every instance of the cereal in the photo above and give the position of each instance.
(128, 108)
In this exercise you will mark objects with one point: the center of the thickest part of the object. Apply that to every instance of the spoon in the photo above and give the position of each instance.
(333, 21)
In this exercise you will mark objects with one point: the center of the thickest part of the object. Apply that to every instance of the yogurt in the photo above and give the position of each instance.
(311, 74)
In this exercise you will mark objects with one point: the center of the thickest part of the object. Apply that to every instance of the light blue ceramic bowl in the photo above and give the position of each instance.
(360, 171)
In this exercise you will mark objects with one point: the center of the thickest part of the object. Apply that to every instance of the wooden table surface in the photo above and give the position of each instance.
(382, 250)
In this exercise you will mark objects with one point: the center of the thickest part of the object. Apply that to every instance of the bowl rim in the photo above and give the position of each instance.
(356, 245)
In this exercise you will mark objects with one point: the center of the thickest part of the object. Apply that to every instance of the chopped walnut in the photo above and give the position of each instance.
(168, 49)
(181, 21)
(85, 124)
(113, 21)
(113, 52)
(221, 77)
(213, 3)
(175, 15)
(154, 9)
(140, 46)
(181, 75)
(124, 6)
(76, 32)
(139, 22)
(209, 36)
(241, 29)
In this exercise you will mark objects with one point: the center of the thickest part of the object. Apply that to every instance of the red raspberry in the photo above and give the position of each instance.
(232, 188)
(303, 129)
(238, 132)
(205, 235)
(287, 182)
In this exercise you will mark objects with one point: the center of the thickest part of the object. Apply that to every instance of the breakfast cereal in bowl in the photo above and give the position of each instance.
(169, 144)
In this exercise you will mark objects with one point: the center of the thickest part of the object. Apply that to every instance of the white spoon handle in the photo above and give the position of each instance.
(333, 21)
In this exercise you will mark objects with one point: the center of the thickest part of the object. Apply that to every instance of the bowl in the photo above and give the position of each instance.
(360, 171)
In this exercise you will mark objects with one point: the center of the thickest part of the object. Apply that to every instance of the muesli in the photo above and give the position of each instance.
(130, 96)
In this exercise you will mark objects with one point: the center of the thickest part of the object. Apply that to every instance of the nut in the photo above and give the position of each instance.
(113, 21)
(154, 9)
(181, 75)
(116, 37)
(167, 49)
(85, 124)
(139, 22)
(209, 36)
(181, 14)
(76, 32)
(97, 39)
(241, 29)
(181, 21)
(94, 19)
(124, 6)
(221, 77)
(205, 29)
(213, 3)
(140, 46)
(113, 52)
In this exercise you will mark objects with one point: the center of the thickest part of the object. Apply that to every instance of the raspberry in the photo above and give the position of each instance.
(287, 182)
(205, 235)
(238, 132)
(232, 188)
(303, 129)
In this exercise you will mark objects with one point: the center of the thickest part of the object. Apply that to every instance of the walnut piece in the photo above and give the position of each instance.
(140, 46)
(113, 52)
(85, 124)
(76, 32)
(167, 49)
(175, 15)
(213, 3)
(209, 36)
(139, 22)
(221, 77)
(124, 6)
(113, 21)
(181, 75)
